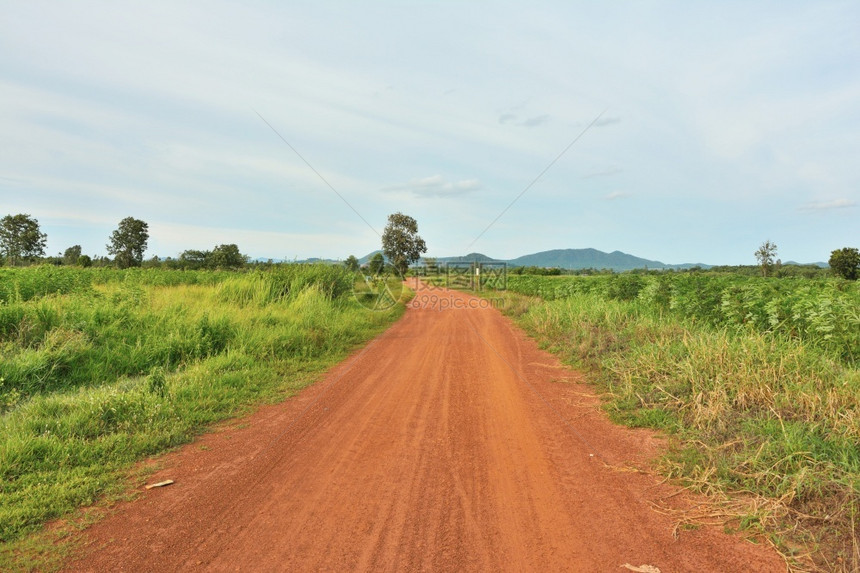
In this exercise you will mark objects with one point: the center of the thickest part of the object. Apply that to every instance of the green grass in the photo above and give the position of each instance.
(759, 415)
(824, 313)
(128, 364)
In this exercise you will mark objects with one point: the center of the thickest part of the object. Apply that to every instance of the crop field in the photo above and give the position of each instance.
(103, 367)
(757, 379)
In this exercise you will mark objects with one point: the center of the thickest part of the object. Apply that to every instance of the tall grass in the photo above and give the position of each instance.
(23, 284)
(127, 364)
(265, 287)
(754, 413)
(824, 313)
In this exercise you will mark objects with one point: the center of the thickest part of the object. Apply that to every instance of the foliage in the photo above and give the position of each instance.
(193, 259)
(21, 238)
(104, 366)
(72, 255)
(822, 313)
(24, 284)
(401, 243)
(221, 257)
(226, 257)
(376, 264)
(766, 257)
(783, 270)
(266, 287)
(128, 242)
(845, 263)
(351, 263)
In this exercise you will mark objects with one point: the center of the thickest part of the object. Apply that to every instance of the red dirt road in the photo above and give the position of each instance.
(449, 443)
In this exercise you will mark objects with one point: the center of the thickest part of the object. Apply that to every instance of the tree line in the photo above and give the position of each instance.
(23, 242)
(843, 262)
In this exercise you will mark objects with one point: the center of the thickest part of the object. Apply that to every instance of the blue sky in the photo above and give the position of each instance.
(723, 124)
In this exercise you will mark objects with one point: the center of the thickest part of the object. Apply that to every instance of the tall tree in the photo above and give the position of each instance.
(351, 263)
(226, 257)
(401, 243)
(845, 263)
(766, 255)
(128, 242)
(193, 259)
(71, 256)
(376, 264)
(21, 238)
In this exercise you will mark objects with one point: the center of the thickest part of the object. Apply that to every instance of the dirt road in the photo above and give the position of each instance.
(449, 443)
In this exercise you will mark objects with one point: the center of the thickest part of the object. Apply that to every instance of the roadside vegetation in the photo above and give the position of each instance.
(757, 379)
(102, 367)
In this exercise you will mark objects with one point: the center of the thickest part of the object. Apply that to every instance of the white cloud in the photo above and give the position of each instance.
(607, 172)
(605, 121)
(828, 205)
(535, 121)
(616, 195)
(437, 186)
(512, 118)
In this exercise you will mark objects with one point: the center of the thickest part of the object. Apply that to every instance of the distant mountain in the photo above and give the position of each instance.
(470, 258)
(574, 259)
(311, 260)
(591, 259)
(318, 260)
(366, 258)
(557, 258)
(818, 264)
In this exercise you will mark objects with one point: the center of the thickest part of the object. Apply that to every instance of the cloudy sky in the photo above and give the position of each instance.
(693, 131)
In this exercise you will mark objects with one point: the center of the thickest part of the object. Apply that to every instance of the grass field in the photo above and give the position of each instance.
(101, 368)
(757, 380)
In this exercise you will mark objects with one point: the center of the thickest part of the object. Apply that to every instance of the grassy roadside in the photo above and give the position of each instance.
(102, 373)
(766, 425)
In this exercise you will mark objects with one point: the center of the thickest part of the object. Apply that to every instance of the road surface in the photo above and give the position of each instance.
(449, 443)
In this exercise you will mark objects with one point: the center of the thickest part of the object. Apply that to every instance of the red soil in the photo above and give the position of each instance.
(449, 443)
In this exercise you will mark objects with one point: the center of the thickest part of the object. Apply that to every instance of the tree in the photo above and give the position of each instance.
(193, 259)
(128, 242)
(21, 238)
(765, 255)
(85, 261)
(401, 243)
(376, 264)
(351, 263)
(226, 257)
(154, 262)
(71, 256)
(845, 263)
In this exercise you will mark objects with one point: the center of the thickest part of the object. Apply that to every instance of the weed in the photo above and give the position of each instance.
(156, 382)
